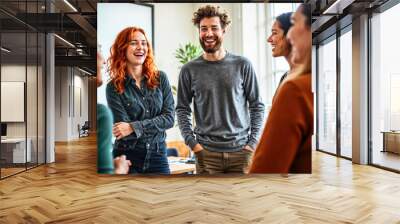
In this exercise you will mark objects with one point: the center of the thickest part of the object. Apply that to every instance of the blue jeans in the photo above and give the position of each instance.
(146, 158)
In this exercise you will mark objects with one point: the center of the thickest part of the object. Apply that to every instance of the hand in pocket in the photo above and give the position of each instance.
(200, 161)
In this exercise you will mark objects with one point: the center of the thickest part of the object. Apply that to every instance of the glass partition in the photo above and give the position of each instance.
(327, 96)
(385, 89)
(22, 88)
(346, 94)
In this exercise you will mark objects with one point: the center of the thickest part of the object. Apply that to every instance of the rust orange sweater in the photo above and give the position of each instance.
(285, 145)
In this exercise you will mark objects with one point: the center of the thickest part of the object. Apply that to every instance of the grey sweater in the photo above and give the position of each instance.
(227, 104)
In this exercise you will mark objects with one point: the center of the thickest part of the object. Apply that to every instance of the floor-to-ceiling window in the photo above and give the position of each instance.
(22, 88)
(334, 92)
(385, 89)
(345, 92)
(326, 94)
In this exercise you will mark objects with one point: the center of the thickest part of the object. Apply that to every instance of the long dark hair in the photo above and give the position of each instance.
(306, 11)
(305, 67)
(284, 21)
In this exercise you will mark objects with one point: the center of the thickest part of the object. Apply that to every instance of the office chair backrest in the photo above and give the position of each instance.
(172, 152)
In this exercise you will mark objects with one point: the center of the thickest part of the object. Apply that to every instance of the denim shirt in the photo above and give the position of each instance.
(149, 112)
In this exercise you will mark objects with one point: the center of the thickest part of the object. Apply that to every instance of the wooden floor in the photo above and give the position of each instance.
(70, 191)
(387, 159)
(10, 171)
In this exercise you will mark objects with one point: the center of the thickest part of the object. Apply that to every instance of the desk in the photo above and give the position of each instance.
(177, 165)
(13, 150)
(391, 141)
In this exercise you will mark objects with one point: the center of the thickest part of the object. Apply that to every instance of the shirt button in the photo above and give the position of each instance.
(147, 111)
(143, 98)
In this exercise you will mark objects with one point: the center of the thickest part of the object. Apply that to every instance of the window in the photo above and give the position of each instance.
(327, 96)
(385, 89)
(346, 93)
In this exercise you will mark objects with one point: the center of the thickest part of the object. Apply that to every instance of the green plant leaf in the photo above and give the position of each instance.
(188, 52)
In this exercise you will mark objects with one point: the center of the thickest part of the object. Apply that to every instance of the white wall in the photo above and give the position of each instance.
(33, 127)
(14, 73)
(170, 32)
(61, 103)
(80, 83)
(68, 81)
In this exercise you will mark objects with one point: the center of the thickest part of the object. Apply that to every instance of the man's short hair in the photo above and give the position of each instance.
(210, 11)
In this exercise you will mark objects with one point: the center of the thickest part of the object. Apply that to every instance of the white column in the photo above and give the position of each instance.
(360, 90)
(50, 98)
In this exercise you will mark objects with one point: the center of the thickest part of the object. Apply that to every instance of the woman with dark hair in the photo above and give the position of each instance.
(105, 163)
(285, 146)
(141, 101)
(279, 43)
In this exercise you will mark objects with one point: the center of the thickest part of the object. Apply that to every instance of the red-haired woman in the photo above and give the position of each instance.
(141, 102)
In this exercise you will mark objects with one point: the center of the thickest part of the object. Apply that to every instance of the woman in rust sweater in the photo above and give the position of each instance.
(285, 146)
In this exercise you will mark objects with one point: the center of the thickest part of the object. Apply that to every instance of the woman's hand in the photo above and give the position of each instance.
(121, 165)
(122, 129)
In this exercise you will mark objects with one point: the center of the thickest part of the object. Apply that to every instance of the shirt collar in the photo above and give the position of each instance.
(130, 79)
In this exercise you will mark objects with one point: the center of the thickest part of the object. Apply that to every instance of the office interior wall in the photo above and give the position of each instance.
(80, 104)
(15, 72)
(71, 102)
(13, 69)
(25, 63)
(62, 98)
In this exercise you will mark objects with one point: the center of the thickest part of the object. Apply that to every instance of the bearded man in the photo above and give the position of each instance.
(226, 101)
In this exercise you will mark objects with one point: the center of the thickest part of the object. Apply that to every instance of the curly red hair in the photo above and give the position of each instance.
(117, 65)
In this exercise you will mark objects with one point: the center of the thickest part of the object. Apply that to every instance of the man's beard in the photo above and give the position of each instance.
(216, 47)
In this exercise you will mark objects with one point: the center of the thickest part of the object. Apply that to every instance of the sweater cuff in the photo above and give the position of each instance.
(192, 142)
(137, 128)
(252, 144)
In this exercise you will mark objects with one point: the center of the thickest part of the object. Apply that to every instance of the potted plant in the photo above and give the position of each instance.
(187, 53)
